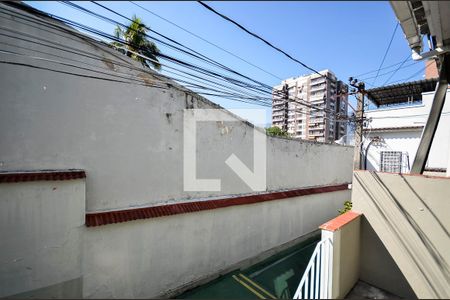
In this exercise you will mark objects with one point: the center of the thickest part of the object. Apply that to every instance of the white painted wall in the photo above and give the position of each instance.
(129, 139)
(41, 225)
(408, 140)
(147, 258)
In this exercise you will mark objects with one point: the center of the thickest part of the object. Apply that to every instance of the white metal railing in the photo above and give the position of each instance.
(316, 282)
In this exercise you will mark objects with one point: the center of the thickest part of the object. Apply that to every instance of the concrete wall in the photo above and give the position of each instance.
(342, 235)
(128, 137)
(346, 257)
(41, 226)
(153, 257)
(409, 214)
(377, 266)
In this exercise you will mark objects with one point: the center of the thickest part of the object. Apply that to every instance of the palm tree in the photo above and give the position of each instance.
(135, 37)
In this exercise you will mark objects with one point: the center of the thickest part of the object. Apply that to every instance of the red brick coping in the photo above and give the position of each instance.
(118, 216)
(340, 221)
(21, 176)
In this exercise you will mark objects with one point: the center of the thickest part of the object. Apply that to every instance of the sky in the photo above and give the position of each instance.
(346, 37)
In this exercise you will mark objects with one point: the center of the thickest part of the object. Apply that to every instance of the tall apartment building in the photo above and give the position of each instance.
(326, 98)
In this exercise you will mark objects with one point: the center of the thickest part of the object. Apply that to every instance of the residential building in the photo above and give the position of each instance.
(314, 108)
(393, 129)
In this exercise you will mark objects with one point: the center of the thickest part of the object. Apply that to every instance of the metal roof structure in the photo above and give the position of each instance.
(402, 92)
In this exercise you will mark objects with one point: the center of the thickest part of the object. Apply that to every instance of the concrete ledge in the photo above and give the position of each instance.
(340, 221)
(118, 216)
(409, 175)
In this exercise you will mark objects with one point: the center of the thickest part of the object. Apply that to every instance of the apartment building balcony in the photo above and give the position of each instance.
(317, 99)
(316, 120)
(317, 114)
(319, 87)
(319, 80)
(320, 98)
(316, 135)
(317, 132)
(278, 104)
(278, 108)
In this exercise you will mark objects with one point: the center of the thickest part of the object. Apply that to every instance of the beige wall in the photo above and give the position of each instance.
(377, 266)
(346, 253)
(346, 258)
(409, 214)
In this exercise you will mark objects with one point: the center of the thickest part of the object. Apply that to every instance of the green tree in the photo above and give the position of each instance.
(276, 131)
(135, 37)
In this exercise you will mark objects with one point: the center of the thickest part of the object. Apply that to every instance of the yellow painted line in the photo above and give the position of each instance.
(258, 286)
(248, 287)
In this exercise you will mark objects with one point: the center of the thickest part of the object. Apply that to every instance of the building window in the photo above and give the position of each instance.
(394, 161)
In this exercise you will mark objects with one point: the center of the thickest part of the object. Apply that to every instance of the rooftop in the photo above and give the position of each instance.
(401, 93)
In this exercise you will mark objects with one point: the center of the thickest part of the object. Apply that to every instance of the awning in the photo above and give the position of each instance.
(402, 92)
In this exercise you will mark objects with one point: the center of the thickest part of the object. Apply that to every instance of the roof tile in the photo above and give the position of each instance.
(341, 220)
(110, 217)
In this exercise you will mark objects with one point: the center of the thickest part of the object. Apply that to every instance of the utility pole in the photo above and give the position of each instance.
(359, 121)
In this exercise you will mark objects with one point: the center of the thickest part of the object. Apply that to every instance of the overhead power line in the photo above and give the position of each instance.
(263, 40)
(373, 71)
(396, 70)
(176, 47)
(186, 49)
(206, 41)
(203, 88)
(52, 25)
(260, 38)
(74, 51)
(415, 74)
(386, 52)
(386, 73)
(197, 54)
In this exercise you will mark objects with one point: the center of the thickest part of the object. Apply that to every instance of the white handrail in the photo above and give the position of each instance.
(317, 279)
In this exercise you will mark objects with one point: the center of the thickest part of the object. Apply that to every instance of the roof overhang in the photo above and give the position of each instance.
(401, 93)
(418, 18)
(405, 15)
(391, 129)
